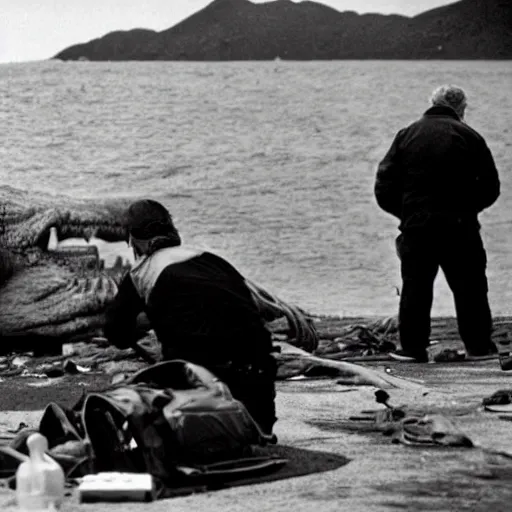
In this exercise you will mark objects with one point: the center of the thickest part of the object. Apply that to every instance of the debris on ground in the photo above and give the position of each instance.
(293, 361)
(449, 355)
(339, 340)
(409, 427)
(80, 357)
(360, 339)
(348, 341)
(499, 401)
(500, 397)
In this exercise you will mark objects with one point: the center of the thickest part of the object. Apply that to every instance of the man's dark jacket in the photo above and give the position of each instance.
(438, 172)
(198, 304)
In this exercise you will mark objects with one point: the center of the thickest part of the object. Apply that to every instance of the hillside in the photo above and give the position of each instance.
(241, 30)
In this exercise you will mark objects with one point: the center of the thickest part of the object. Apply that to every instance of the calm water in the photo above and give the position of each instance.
(269, 164)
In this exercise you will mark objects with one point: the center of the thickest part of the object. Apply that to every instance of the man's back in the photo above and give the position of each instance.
(442, 172)
(200, 306)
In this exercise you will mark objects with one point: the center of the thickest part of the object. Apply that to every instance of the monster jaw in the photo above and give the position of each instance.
(53, 283)
(92, 252)
(60, 287)
(107, 231)
(89, 247)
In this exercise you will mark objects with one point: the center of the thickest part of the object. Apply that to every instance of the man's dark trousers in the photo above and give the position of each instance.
(460, 253)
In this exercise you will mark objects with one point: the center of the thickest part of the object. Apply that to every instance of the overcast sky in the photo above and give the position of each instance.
(38, 29)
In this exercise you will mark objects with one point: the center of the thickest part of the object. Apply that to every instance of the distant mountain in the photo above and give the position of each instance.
(241, 30)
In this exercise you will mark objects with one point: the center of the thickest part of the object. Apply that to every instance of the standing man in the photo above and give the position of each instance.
(437, 176)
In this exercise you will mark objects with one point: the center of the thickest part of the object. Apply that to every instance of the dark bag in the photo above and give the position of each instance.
(174, 420)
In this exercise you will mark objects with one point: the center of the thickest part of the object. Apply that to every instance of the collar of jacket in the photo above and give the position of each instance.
(441, 110)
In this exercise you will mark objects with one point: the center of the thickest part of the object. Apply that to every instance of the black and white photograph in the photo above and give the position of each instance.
(256, 255)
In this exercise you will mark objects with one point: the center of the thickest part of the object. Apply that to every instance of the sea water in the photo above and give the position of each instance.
(270, 164)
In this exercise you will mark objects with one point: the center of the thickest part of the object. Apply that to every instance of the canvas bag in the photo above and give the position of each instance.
(174, 420)
(172, 414)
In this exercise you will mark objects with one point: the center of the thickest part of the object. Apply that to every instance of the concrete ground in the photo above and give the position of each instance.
(380, 476)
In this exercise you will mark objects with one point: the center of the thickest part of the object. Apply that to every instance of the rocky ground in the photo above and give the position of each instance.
(352, 465)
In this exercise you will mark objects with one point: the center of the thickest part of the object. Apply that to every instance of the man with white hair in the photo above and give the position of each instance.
(437, 176)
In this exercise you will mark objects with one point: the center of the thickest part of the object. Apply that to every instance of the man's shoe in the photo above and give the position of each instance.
(450, 355)
(407, 357)
(481, 357)
(491, 353)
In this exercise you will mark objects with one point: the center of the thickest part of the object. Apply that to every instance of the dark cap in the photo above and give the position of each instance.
(147, 219)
